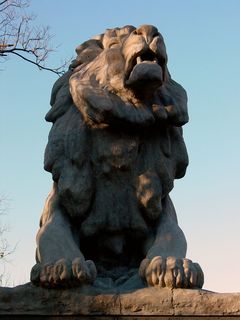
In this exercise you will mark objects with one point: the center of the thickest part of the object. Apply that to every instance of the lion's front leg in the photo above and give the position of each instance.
(165, 264)
(60, 263)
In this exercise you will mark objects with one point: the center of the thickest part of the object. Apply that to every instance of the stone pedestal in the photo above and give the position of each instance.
(88, 302)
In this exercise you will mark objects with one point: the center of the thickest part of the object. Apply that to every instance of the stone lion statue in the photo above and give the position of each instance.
(114, 150)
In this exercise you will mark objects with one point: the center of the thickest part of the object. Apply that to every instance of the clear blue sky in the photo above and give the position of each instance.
(202, 39)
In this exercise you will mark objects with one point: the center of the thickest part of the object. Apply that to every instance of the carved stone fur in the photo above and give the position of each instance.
(114, 150)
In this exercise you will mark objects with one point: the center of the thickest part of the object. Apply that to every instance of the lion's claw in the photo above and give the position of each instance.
(84, 272)
(171, 272)
(64, 273)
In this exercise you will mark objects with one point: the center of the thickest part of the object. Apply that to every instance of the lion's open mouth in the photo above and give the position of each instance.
(147, 56)
(144, 68)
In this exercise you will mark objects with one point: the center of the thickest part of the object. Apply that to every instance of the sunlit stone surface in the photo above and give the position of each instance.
(114, 150)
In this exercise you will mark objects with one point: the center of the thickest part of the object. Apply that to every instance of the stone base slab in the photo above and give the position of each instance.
(39, 317)
(147, 303)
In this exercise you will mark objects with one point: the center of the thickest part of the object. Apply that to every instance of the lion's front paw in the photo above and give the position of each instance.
(171, 272)
(64, 273)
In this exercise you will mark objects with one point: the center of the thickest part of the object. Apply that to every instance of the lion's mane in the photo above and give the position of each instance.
(101, 129)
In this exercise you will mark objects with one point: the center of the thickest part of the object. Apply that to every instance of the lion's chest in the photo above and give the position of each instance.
(114, 150)
(115, 207)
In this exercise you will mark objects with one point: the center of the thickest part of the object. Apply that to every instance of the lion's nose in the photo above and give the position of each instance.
(148, 32)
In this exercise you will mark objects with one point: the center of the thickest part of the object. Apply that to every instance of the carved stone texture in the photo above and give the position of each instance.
(148, 303)
(114, 150)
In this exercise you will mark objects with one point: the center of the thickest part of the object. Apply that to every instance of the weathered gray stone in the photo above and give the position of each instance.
(114, 150)
(86, 301)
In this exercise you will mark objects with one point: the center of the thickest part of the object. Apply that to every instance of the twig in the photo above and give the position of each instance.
(59, 73)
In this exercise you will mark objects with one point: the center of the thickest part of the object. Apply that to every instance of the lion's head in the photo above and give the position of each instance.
(127, 64)
(125, 58)
(125, 61)
(131, 64)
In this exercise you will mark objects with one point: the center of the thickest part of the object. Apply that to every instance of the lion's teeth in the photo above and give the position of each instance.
(139, 59)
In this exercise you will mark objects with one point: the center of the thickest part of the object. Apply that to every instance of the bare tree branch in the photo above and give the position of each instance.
(18, 34)
(38, 65)
(5, 249)
(4, 245)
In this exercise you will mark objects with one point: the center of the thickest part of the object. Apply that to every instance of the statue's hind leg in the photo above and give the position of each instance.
(165, 264)
(59, 259)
